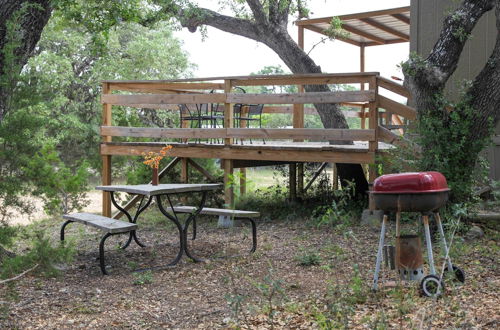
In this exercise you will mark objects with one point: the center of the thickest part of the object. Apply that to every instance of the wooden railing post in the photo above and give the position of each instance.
(228, 163)
(298, 119)
(228, 110)
(106, 159)
(373, 124)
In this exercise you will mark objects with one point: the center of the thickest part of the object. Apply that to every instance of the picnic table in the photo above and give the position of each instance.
(165, 192)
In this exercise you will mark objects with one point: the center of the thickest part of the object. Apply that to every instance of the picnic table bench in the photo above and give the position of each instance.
(233, 214)
(108, 225)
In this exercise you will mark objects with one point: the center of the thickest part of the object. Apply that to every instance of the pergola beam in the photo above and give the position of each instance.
(386, 28)
(391, 11)
(362, 33)
(402, 18)
(322, 31)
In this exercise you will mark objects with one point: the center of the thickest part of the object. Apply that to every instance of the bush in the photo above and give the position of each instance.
(341, 210)
(41, 252)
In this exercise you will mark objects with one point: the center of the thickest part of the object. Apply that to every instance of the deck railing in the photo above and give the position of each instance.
(169, 94)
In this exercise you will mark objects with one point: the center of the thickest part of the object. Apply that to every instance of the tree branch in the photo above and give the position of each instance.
(278, 12)
(202, 16)
(284, 11)
(19, 276)
(456, 30)
(258, 11)
(482, 93)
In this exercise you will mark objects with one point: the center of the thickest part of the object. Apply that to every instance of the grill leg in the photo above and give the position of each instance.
(379, 253)
(429, 244)
(443, 240)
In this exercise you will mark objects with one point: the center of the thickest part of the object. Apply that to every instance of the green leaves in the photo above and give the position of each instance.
(447, 135)
(62, 189)
(98, 17)
(334, 30)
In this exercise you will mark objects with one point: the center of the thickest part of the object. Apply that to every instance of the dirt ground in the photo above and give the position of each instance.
(95, 202)
(264, 290)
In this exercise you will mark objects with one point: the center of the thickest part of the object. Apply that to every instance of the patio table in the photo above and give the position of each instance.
(149, 192)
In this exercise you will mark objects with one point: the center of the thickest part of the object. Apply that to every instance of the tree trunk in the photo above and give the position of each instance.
(427, 78)
(272, 31)
(21, 24)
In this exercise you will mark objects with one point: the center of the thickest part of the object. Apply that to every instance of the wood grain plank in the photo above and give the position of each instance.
(301, 155)
(392, 86)
(319, 134)
(291, 79)
(301, 98)
(397, 108)
(130, 100)
(152, 85)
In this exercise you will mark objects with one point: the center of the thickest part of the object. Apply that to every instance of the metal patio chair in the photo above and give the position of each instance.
(254, 114)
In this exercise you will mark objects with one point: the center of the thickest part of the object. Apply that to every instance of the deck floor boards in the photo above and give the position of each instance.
(288, 151)
(358, 146)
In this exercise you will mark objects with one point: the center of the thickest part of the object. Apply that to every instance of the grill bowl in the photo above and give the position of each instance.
(410, 202)
(410, 192)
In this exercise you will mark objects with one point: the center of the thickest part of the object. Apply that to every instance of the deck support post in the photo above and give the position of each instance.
(184, 175)
(106, 180)
(300, 178)
(293, 182)
(373, 124)
(243, 181)
(298, 120)
(228, 163)
(335, 178)
(184, 170)
(106, 159)
(228, 183)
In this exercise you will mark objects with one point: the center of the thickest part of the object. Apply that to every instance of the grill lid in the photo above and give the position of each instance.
(410, 183)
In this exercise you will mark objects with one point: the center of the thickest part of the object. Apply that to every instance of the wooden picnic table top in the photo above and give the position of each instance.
(160, 189)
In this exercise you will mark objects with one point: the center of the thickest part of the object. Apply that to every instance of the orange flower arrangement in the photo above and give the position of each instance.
(152, 159)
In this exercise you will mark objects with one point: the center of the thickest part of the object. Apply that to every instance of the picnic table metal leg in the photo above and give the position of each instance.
(140, 209)
(63, 227)
(136, 216)
(194, 230)
(254, 234)
(102, 263)
(174, 219)
(192, 218)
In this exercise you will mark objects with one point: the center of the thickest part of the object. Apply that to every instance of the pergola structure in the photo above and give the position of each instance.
(374, 28)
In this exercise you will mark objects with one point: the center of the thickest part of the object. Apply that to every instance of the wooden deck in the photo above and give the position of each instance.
(358, 152)
(286, 145)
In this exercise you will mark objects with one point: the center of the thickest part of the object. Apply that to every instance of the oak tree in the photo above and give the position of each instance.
(453, 135)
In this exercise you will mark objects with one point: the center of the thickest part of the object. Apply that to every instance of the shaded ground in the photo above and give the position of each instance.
(333, 291)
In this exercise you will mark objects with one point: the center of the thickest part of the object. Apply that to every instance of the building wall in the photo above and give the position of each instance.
(426, 22)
